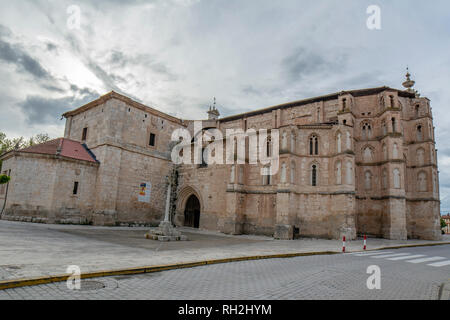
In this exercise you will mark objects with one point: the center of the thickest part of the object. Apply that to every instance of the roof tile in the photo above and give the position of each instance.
(65, 147)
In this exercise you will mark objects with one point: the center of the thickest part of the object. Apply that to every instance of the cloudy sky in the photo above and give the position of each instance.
(176, 55)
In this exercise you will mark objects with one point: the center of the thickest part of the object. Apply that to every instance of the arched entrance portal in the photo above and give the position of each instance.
(192, 212)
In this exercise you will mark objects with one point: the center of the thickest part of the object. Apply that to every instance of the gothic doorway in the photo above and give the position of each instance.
(192, 212)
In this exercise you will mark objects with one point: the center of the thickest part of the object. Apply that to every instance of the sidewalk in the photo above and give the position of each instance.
(444, 292)
(33, 250)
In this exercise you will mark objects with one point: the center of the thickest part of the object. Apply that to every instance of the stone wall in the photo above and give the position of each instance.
(119, 135)
(366, 164)
(375, 168)
(423, 219)
(41, 189)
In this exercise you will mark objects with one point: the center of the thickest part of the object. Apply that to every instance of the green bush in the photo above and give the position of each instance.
(4, 179)
(443, 224)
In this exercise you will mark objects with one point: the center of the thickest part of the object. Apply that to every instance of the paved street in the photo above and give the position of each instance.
(409, 273)
(30, 250)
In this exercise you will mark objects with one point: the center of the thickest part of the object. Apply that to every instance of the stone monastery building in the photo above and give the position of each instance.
(351, 163)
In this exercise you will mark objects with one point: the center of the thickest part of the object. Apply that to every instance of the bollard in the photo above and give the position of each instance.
(365, 242)
(343, 244)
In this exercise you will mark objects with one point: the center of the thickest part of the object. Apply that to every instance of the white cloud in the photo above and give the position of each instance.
(176, 55)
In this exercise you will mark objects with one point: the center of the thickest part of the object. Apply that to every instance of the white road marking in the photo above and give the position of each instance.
(415, 258)
(407, 257)
(426, 259)
(390, 255)
(365, 254)
(440, 264)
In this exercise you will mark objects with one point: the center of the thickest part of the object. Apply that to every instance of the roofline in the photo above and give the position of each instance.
(2, 156)
(127, 100)
(61, 142)
(13, 153)
(332, 96)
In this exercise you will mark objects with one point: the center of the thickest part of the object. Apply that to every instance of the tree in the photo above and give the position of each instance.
(37, 139)
(4, 178)
(7, 145)
(443, 224)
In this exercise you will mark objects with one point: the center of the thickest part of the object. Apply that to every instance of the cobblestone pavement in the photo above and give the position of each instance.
(30, 250)
(341, 276)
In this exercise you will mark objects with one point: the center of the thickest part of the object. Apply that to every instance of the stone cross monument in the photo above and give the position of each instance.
(166, 231)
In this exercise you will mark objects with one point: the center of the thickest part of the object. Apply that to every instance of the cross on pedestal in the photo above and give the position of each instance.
(165, 230)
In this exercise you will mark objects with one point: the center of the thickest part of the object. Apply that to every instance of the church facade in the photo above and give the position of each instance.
(350, 163)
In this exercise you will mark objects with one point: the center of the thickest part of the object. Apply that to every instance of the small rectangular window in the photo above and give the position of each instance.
(75, 187)
(84, 136)
(152, 139)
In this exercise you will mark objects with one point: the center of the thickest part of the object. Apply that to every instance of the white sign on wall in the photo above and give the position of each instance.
(145, 191)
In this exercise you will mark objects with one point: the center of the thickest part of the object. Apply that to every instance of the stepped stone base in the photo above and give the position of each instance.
(165, 232)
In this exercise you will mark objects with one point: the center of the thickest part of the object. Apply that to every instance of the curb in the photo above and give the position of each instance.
(16, 283)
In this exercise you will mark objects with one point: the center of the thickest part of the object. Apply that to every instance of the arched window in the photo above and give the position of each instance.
(266, 176)
(283, 172)
(368, 180)
(338, 173)
(382, 102)
(420, 155)
(292, 172)
(269, 147)
(385, 152)
(422, 182)
(391, 98)
(204, 163)
(419, 133)
(316, 146)
(232, 173)
(313, 145)
(394, 128)
(395, 151)
(284, 140)
(344, 104)
(349, 173)
(384, 128)
(366, 131)
(397, 183)
(368, 154)
(293, 140)
(417, 110)
(241, 175)
(385, 179)
(339, 142)
(348, 141)
(314, 175)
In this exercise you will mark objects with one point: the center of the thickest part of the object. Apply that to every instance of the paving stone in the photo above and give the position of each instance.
(312, 277)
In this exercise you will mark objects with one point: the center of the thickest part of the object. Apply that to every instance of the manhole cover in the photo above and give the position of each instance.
(90, 285)
(13, 267)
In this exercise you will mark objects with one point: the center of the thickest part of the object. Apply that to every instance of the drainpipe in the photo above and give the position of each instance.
(6, 195)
